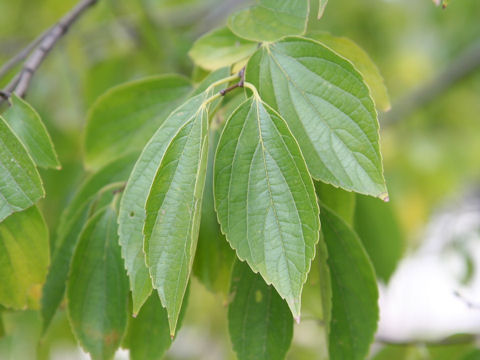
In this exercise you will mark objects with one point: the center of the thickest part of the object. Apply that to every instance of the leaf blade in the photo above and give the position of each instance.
(173, 213)
(132, 206)
(20, 183)
(220, 48)
(354, 314)
(129, 114)
(97, 289)
(360, 59)
(328, 107)
(257, 145)
(270, 20)
(28, 126)
(259, 321)
(24, 256)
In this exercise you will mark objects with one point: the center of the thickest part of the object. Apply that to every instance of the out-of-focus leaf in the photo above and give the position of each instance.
(377, 227)
(220, 48)
(270, 20)
(88, 197)
(124, 118)
(399, 352)
(97, 290)
(214, 256)
(340, 201)
(456, 347)
(362, 62)
(20, 183)
(173, 211)
(327, 105)
(265, 198)
(259, 321)
(354, 290)
(151, 323)
(132, 207)
(27, 125)
(24, 256)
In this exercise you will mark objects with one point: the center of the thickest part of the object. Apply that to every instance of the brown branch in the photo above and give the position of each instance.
(241, 75)
(38, 50)
(467, 63)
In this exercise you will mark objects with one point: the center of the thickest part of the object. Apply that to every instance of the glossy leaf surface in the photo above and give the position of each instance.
(259, 321)
(354, 290)
(328, 108)
(379, 230)
(265, 198)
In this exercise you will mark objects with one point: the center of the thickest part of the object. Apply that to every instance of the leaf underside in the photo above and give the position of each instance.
(265, 198)
(329, 109)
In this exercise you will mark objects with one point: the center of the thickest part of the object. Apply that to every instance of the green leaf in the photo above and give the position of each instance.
(220, 48)
(27, 125)
(24, 256)
(362, 62)
(401, 352)
(214, 256)
(68, 235)
(97, 290)
(151, 323)
(132, 207)
(259, 321)
(124, 118)
(354, 290)
(328, 107)
(377, 227)
(270, 20)
(20, 183)
(321, 8)
(71, 224)
(173, 212)
(340, 201)
(265, 198)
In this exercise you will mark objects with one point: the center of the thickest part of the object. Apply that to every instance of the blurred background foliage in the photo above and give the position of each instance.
(431, 155)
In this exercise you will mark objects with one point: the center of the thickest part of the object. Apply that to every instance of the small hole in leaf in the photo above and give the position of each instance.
(132, 214)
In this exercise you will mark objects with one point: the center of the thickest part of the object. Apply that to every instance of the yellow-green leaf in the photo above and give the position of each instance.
(24, 256)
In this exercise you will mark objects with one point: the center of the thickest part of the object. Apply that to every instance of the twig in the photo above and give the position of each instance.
(22, 54)
(459, 69)
(39, 50)
(241, 75)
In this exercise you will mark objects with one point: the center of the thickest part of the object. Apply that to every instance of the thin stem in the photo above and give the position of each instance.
(22, 54)
(39, 51)
(253, 88)
(222, 81)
